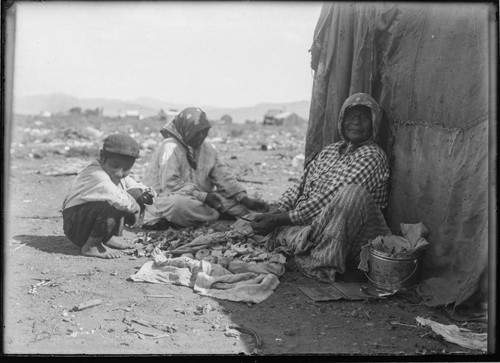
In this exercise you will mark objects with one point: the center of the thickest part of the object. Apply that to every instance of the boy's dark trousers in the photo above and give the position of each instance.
(93, 219)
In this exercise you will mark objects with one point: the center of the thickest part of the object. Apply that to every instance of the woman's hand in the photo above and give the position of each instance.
(267, 222)
(255, 204)
(214, 201)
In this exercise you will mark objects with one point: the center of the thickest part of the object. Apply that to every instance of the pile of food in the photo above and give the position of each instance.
(207, 244)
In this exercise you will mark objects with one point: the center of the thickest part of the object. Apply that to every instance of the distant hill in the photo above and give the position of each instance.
(147, 106)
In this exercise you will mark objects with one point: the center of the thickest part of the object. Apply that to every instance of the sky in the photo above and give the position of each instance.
(223, 54)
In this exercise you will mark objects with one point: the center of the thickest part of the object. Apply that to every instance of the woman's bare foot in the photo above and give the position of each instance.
(94, 248)
(119, 243)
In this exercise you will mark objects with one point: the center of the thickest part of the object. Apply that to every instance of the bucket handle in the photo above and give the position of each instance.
(400, 282)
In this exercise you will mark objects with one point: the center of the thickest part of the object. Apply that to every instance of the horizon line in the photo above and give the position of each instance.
(153, 98)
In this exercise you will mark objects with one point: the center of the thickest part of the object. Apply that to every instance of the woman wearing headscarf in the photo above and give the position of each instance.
(193, 185)
(336, 206)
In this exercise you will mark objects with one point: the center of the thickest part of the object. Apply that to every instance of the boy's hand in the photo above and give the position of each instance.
(146, 198)
(214, 201)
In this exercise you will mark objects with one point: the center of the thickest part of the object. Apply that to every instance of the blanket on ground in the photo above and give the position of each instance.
(248, 282)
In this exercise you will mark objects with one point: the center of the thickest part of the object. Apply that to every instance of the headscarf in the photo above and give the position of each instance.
(361, 99)
(184, 127)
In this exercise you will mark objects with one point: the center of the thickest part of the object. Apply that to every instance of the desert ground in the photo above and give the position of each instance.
(45, 276)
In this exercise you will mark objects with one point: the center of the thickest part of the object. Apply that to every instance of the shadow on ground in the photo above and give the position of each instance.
(271, 327)
(49, 244)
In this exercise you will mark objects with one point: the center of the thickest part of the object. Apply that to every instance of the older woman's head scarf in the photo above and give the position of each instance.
(184, 127)
(362, 99)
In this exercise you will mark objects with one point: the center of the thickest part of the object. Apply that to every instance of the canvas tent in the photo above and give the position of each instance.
(429, 67)
(287, 118)
(269, 116)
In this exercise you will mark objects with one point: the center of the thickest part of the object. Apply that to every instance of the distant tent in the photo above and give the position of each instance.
(427, 65)
(132, 114)
(288, 118)
(46, 114)
(227, 119)
(269, 116)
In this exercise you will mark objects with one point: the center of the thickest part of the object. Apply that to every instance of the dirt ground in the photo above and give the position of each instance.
(38, 319)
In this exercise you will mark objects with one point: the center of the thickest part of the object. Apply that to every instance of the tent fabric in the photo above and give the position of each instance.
(348, 64)
(427, 66)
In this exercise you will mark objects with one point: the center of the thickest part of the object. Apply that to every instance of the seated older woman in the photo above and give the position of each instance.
(193, 185)
(336, 206)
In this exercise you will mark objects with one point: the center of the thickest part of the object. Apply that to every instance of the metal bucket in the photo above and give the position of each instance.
(392, 273)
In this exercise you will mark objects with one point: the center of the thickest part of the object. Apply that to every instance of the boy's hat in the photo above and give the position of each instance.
(121, 144)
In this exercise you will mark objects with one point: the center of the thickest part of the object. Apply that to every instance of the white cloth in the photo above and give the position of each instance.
(453, 334)
(207, 279)
(93, 184)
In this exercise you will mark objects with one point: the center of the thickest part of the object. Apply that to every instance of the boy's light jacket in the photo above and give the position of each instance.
(93, 184)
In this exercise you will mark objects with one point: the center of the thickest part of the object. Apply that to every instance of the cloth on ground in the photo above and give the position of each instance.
(207, 279)
(460, 336)
(277, 269)
(244, 287)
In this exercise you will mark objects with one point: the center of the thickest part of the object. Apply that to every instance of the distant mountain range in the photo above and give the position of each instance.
(147, 106)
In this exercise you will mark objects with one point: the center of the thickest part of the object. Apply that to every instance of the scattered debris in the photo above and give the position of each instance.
(402, 324)
(138, 253)
(249, 181)
(230, 332)
(89, 272)
(141, 334)
(203, 309)
(44, 282)
(86, 305)
(20, 246)
(163, 327)
(253, 333)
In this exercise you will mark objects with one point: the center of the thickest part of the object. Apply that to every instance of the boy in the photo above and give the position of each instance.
(101, 195)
